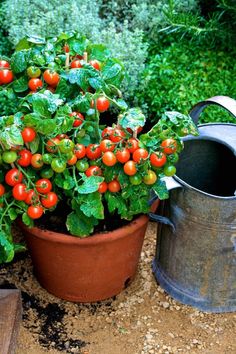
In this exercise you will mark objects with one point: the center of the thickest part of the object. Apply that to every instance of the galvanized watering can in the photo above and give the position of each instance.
(195, 258)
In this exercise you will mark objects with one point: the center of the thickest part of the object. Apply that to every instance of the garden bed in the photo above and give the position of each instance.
(142, 319)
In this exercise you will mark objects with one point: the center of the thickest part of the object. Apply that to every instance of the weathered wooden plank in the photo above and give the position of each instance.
(10, 317)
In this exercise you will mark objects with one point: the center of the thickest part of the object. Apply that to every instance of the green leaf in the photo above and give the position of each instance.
(21, 84)
(116, 202)
(22, 44)
(63, 89)
(82, 103)
(78, 45)
(45, 103)
(11, 136)
(91, 205)
(133, 118)
(36, 39)
(12, 214)
(79, 77)
(90, 184)
(63, 119)
(122, 105)
(99, 52)
(6, 248)
(34, 145)
(42, 126)
(113, 72)
(27, 220)
(160, 189)
(19, 61)
(79, 224)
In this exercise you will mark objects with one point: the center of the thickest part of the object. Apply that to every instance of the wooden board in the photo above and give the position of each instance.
(10, 317)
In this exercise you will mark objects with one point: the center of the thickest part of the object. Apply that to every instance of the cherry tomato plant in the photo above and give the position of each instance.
(54, 148)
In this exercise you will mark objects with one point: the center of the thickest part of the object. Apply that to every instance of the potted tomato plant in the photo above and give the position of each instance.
(80, 185)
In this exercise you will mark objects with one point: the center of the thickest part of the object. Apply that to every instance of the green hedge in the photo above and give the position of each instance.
(184, 73)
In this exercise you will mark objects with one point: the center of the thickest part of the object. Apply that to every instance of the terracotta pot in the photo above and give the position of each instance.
(89, 269)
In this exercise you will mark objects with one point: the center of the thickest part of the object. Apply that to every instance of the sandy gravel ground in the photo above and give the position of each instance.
(142, 319)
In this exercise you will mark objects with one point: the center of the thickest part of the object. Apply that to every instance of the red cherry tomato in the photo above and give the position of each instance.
(35, 84)
(76, 64)
(6, 76)
(80, 151)
(96, 64)
(130, 168)
(25, 158)
(62, 136)
(51, 77)
(32, 197)
(132, 145)
(37, 160)
(102, 187)
(158, 159)
(13, 177)
(93, 171)
(106, 133)
(72, 161)
(109, 158)
(66, 48)
(169, 146)
(28, 134)
(43, 186)
(117, 135)
(2, 190)
(123, 155)
(139, 155)
(4, 64)
(49, 200)
(107, 145)
(52, 145)
(102, 104)
(19, 191)
(114, 186)
(79, 118)
(93, 151)
(35, 211)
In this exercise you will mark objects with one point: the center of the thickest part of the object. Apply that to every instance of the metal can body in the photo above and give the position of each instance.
(195, 258)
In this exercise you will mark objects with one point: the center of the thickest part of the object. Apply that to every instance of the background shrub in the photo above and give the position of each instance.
(182, 74)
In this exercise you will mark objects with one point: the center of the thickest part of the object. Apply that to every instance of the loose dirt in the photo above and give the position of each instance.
(142, 319)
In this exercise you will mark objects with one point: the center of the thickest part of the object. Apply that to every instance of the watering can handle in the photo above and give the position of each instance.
(223, 101)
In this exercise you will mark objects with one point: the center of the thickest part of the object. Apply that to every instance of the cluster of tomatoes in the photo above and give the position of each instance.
(37, 195)
(6, 75)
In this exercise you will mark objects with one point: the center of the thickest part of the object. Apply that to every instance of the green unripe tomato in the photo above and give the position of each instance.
(82, 165)
(182, 131)
(150, 177)
(47, 173)
(66, 145)
(169, 170)
(173, 158)
(58, 165)
(80, 133)
(33, 72)
(9, 156)
(135, 179)
(47, 159)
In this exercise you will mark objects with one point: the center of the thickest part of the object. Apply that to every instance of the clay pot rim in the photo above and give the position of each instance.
(106, 237)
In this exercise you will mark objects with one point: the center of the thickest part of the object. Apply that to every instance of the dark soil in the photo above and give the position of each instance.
(56, 221)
